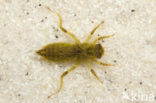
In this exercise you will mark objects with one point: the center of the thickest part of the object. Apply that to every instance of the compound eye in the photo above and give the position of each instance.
(98, 46)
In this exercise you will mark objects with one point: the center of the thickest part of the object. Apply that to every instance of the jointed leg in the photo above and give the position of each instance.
(102, 37)
(61, 78)
(92, 32)
(62, 28)
(101, 63)
(93, 72)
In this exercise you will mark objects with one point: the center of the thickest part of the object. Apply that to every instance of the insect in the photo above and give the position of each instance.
(77, 52)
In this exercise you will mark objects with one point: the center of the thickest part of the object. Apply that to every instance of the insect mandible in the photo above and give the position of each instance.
(78, 52)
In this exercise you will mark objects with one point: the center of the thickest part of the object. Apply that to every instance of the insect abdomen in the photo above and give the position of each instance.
(57, 52)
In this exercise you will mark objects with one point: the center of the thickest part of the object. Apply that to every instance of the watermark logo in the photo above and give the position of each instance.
(135, 96)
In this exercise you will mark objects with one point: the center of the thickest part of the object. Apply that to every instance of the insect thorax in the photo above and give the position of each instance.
(86, 51)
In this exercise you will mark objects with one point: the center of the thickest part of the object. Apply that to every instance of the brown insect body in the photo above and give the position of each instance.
(60, 52)
(77, 52)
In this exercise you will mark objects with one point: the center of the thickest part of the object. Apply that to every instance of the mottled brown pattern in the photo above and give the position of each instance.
(77, 52)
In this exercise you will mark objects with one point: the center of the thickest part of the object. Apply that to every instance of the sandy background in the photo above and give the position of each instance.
(26, 26)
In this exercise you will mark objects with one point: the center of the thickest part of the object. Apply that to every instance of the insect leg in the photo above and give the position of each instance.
(92, 32)
(102, 37)
(61, 78)
(101, 63)
(62, 28)
(93, 72)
